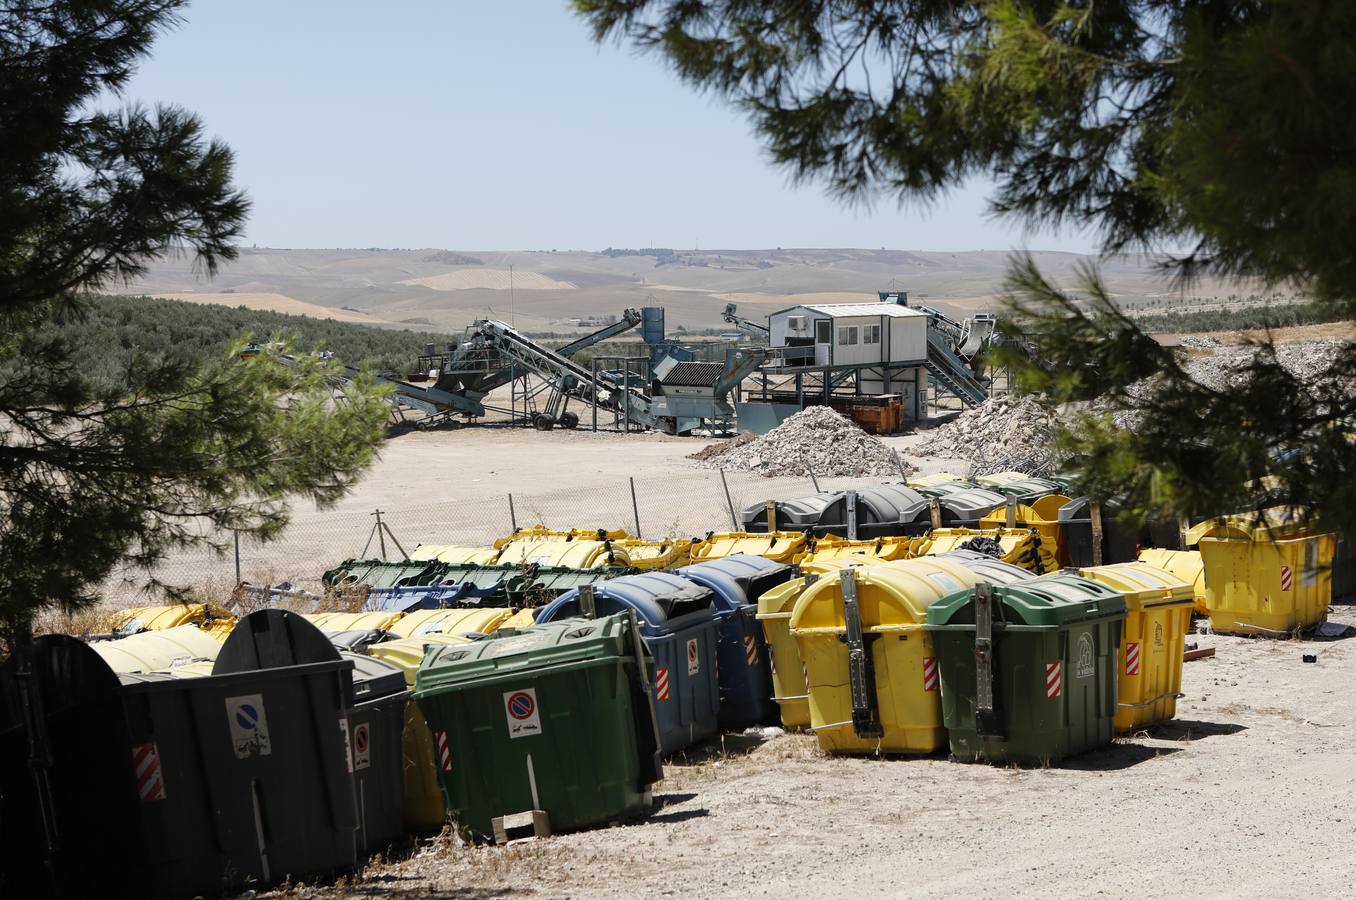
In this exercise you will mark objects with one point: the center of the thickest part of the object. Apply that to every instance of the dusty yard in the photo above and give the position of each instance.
(1247, 793)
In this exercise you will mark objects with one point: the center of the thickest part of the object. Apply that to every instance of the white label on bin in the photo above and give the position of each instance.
(1086, 664)
(362, 746)
(521, 712)
(946, 581)
(348, 747)
(249, 726)
(694, 662)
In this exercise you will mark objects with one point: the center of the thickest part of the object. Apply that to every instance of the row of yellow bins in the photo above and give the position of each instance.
(843, 633)
(778, 546)
(577, 548)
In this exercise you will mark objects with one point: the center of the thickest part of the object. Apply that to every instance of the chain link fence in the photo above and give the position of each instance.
(685, 505)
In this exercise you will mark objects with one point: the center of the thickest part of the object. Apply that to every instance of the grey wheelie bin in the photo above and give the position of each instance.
(376, 727)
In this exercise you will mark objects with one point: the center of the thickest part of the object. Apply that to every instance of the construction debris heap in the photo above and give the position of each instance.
(999, 435)
(816, 440)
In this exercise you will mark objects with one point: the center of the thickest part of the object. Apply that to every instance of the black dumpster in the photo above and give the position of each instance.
(879, 511)
(964, 509)
(798, 514)
(1120, 542)
(375, 728)
(95, 813)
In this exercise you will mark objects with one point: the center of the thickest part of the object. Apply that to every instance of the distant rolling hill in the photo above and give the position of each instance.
(551, 291)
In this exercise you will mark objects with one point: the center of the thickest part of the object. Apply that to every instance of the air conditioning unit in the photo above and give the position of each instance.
(798, 325)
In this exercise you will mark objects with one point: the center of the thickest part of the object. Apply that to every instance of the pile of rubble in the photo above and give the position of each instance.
(1001, 434)
(816, 440)
(1200, 342)
(1308, 361)
(722, 447)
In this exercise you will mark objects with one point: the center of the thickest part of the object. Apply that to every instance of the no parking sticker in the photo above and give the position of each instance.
(521, 712)
(249, 726)
(362, 747)
(693, 659)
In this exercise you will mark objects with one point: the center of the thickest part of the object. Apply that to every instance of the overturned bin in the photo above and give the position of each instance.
(549, 729)
(1028, 670)
(872, 675)
(743, 668)
(1158, 614)
(679, 623)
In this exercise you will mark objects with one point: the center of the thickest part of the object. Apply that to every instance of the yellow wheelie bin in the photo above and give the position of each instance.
(424, 622)
(1185, 564)
(353, 621)
(881, 549)
(1020, 546)
(210, 618)
(1267, 579)
(790, 681)
(667, 554)
(874, 681)
(157, 651)
(1149, 669)
(997, 479)
(779, 546)
(424, 809)
(936, 478)
(572, 554)
(456, 555)
(523, 618)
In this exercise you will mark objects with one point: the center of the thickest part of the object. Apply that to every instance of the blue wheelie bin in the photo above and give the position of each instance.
(745, 673)
(678, 623)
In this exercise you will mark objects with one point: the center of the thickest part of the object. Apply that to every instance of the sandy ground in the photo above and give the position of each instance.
(279, 303)
(1247, 793)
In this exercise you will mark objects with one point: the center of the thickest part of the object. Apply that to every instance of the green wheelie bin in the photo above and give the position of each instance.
(549, 728)
(1028, 670)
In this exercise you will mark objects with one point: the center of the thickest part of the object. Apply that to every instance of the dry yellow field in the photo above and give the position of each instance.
(279, 303)
(473, 279)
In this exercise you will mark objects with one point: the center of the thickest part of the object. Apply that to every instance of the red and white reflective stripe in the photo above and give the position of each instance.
(805, 673)
(1054, 679)
(150, 780)
(930, 673)
(444, 752)
(751, 649)
(1132, 658)
(1287, 578)
(661, 684)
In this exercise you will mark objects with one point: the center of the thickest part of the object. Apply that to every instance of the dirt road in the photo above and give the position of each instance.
(1247, 793)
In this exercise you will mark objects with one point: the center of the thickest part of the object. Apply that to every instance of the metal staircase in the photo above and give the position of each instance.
(951, 371)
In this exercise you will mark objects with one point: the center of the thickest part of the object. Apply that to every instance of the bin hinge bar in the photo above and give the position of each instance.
(793, 697)
(772, 517)
(935, 507)
(1095, 513)
(588, 605)
(1012, 512)
(852, 515)
(861, 671)
(988, 721)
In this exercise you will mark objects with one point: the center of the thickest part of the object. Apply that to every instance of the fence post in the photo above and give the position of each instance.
(635, 507)
(734, 520)
(513, 517)
(813, 480)
(237, 555)
(381, 534)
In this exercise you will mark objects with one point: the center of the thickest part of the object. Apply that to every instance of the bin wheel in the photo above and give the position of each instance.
(543, 422)
(569, 420)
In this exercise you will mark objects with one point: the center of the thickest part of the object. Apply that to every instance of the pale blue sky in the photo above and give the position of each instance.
(499, 124)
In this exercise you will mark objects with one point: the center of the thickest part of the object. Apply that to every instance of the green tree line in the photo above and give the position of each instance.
(110, 330)
(1267, 315)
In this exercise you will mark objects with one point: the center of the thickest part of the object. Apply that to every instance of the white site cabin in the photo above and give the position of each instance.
(886, 342)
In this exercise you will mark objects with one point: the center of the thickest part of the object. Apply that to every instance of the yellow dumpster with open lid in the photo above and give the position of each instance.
(779, 546)
(790, 681)
(210, 618)
(1269, 577)
(1149, 669)
(671, 553)
(873, 677)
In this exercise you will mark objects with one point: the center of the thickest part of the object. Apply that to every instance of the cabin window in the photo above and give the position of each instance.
(871, 334)
(847, 335)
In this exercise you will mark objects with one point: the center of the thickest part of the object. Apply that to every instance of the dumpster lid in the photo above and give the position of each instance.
(449, 621)
(738, 579)
(374, 678)
(1143, 585)
(357, 638)
(272, 638)
(663, 601)
(1027, 487)
(884, 504)
(68, 673)
(890, 594)
(1052, 600)
(519, 650)
(994, 571)
(971, 503)
(1272, 524)
(940, 489)
(148, 651)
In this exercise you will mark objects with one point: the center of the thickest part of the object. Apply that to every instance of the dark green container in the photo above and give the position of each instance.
(1052, 669)
(555, 718)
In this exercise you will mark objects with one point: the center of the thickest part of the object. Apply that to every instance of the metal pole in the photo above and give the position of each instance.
(852, 515)
(813, 479)
(237, 556)
(899, 463)
(593, 368)
(734, 520)
(381, 534)
(513, 518)
(635, 508)
(626, 397)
